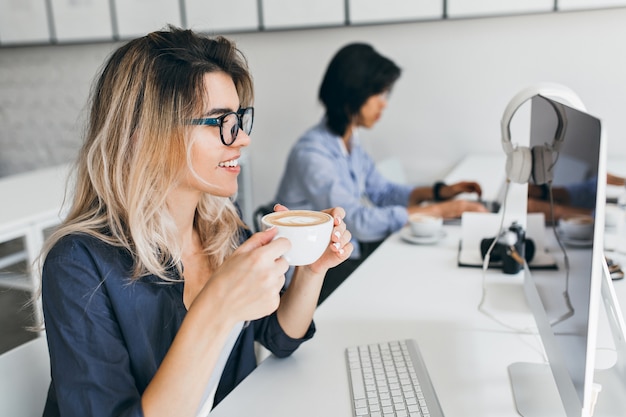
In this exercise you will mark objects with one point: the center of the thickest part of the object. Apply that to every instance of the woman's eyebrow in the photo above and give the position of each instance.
(219, 110)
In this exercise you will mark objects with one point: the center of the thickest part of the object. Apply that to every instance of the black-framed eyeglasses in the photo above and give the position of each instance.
(229, 123)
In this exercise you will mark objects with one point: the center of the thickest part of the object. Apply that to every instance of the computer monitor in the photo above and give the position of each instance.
(566, 302)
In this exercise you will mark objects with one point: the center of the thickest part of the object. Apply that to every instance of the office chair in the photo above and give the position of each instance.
(25, 379)
(259, 213)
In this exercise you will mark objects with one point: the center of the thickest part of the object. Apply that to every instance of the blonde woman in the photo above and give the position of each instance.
(153, 289)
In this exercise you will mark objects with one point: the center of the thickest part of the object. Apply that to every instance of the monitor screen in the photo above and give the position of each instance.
(565, 301)
(566, 293)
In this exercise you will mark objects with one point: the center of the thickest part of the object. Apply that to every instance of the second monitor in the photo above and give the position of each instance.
(566, 302)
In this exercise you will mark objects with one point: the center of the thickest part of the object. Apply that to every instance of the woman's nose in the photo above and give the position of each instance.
(243, 139)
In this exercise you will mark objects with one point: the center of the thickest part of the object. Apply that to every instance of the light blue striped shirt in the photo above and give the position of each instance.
(321, 174)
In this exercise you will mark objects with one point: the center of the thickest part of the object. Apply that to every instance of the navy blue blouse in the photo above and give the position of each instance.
(107, 335)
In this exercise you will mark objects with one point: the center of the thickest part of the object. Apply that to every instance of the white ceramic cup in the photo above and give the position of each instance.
(425, 225)
(308, 231)
(577, 227)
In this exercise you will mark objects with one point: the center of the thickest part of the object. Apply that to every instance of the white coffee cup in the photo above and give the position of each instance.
(577, 227)
(425, 225)
(308, 231)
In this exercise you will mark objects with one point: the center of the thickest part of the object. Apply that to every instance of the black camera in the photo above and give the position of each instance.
(510, 250)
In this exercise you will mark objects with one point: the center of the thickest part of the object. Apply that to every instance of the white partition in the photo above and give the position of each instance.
(279, 14)
(376, 11)
(23, 21)
(82, 20)
(473, 8)
(139, 17)
(588, 4)
(219, 16)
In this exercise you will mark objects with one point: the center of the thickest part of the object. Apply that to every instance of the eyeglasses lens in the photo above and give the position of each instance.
(229, 128)
(246, 120)
(231, 124)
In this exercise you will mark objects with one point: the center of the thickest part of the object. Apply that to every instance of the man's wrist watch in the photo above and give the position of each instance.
(437, 190)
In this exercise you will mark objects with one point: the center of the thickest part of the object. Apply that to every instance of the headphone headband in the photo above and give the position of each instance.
(556, 92)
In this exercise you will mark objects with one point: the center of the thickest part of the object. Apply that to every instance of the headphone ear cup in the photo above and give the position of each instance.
(519, 165)
(542, 165)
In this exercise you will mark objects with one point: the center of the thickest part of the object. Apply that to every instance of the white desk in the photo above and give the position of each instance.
(401, 291)
(32, 203)
(406, 291)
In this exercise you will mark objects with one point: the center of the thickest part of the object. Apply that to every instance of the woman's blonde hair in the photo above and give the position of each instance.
(137, 144)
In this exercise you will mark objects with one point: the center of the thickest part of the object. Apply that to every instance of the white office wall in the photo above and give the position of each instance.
(81, 21)
(23, 22)
(458, 77)
(216, 15)
(138, 17)
(585, 4)
(375, 11)
(464, 8)
(279, 14)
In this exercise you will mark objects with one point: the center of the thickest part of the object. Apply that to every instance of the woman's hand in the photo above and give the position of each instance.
(248, 283)
(339, 247)
(299, 301)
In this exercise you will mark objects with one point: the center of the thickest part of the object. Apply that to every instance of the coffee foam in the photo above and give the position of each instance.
(297, 218)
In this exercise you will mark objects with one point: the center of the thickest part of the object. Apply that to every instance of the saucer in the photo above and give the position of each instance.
(407, 236)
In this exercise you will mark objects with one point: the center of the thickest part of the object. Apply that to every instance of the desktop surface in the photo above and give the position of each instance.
(409, 291)
(404, 291)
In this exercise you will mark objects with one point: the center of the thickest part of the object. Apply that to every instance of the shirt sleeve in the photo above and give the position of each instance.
(242, 360)
(269, 333)
(381, 191)
(583, 194)
(89, 362)
(327, 182)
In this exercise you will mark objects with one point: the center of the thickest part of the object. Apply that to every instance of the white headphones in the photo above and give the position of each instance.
(523, 162)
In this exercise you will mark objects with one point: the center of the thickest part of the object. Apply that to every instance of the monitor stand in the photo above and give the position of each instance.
(534, 388)
(612, 399)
